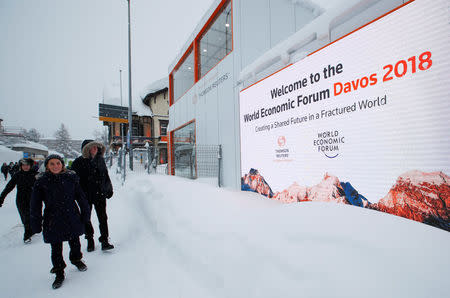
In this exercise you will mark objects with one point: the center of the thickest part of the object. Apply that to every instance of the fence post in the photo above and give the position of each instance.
(119, 161)
(219, 161)
(149, 158)
(124, 165)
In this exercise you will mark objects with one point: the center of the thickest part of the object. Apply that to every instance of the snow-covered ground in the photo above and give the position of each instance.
(179, 238)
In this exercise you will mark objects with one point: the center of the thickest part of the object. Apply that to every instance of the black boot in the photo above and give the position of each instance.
(90, 244)
(58, 280)
(27, 237)
(106, 245)
(80, 265)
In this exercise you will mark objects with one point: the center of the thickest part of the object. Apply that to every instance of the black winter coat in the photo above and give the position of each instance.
(5, 169)
(66, 208)
(14, 169)
(24, 181)
(94, 177)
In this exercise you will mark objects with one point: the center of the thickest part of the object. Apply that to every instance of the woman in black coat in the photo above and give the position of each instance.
(24, 180)
(96, 184)
(65, 214)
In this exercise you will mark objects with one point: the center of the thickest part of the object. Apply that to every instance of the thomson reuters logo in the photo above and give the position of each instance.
(281, 141)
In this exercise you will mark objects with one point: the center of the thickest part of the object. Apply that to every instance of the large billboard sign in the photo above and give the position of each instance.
(364, 121)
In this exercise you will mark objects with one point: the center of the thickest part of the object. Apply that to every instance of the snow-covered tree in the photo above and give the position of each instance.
(32, 135)
(63, 137)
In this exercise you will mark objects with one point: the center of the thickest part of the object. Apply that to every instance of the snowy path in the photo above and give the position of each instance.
(179, 238)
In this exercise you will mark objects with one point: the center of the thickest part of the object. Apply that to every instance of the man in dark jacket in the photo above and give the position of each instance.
(24, 179)
(5, 170)
(96, 184)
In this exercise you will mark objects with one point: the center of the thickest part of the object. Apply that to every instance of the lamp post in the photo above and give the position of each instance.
(130, 109)
(122, 128)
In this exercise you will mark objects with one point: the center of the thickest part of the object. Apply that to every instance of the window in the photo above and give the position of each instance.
(163, 127)
(216, 42)
(183, 151)
(183, 76)
(210, 46)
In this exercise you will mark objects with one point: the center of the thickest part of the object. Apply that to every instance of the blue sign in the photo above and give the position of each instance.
(25, 155)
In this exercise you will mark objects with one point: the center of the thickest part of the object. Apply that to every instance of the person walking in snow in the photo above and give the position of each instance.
(24, 180)
(95, 181)
(65, 214)
(5, 170)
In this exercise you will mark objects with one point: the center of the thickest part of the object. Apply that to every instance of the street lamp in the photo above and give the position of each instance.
(130, 108)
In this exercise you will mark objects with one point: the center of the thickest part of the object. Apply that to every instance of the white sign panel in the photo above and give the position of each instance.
(369, 113)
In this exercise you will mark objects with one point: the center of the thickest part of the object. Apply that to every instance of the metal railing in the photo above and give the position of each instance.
(190, 161)
(197, 161)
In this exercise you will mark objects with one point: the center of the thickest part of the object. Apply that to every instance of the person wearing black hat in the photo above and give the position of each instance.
(65, 215)
(95, 181)
(24, 180)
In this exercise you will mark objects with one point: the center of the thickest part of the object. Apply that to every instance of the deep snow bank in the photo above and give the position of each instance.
(179, 238)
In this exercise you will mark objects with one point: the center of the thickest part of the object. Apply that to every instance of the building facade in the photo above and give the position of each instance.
(156, 97)
(236, 44)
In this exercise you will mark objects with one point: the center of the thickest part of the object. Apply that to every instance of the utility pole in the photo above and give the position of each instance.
(130, 109)
(120, 72)
(122, 130)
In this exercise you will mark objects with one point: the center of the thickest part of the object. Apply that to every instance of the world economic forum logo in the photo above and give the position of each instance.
(329, 143)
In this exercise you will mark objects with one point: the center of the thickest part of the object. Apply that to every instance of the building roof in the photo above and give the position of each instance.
(155, 87)
(31, 145)
(111, 96)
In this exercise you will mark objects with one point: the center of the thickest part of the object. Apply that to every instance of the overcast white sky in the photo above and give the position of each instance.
(58, 56)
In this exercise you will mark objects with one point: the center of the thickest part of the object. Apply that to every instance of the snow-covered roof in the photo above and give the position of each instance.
(140, 108)
(317, 29)
(112, 98)
(31, 145)
(156, 86)
(7, 155)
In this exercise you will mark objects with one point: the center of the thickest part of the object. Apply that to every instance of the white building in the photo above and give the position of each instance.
(237, 44)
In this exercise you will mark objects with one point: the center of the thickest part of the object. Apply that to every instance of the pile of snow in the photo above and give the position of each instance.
(176, 237)
(7, 155)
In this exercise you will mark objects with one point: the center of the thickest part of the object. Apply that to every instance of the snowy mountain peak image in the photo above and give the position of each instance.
(419, 196)
(253, 181)
(416, 195)
(328, 190)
